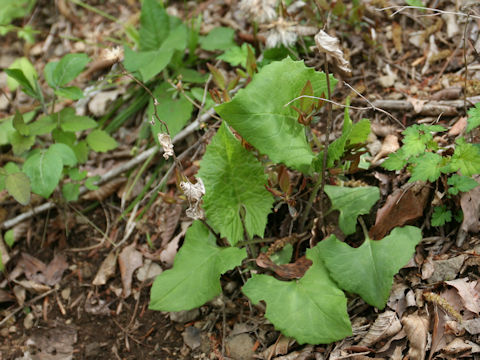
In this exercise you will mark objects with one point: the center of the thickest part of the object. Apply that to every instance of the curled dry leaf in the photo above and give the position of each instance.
(417, 104)
(331, 45)
(389, 145)
(106, 270)
(287, 271)
(105, 190)
(167, 145)
(54, 271)
(456, 346)
(129, 260)
(468, 291)
(387, 324)
(194, 194)
(416, 328)
(401, 207)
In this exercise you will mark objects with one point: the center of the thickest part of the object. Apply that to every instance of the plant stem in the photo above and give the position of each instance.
(320, 184)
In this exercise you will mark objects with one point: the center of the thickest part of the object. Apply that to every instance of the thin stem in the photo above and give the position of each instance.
(309, 205)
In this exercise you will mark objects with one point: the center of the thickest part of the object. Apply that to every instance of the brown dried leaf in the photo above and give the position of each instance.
(472, 326)
(390, 144)
(386, 325)
(401, 207)
(32, 267)
(129, 260)
(416, 328)
(458, 345)
(331, 45)
(54, 271)
(106, 270)
(287, 271)
(470, 296)
(397, 37)
(470, 202)
(105, 190)
(33, 286)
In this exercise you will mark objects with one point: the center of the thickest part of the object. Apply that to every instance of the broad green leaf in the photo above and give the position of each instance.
(28, 71)
(427, 167)
(192, 76)
(9, 238)
(44, 170)
(441, 216)
(220, 38)
(459, 183)
(69, 121)
(351, 202)
(76, 174)
(20, 143)
(19, 76)
(311, 310)
(90, 182)
(100, 141)
(175, 112)
(44, 125)
(369, 269)
(154, 25)
(195, 276)
(19, 124)
(259, 115)
(18, 186)
(81, 151)
(417, 137)
(234, 184)
(70, 191)
(283, 256)
(68, 68)
(64, 137)
(65, 153)
(69, 92)
(466, 158)
(150, 63)
(473, 120)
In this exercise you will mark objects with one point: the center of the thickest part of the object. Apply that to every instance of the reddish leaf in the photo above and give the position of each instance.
(402, 207)
(287, 271)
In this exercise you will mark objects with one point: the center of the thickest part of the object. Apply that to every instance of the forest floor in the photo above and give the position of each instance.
(62, 295)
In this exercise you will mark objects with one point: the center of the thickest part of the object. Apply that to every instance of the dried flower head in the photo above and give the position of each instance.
(262, 11)
(281, 32)
(114, 55)
(331, 46)
(166, 142)
(194, 194)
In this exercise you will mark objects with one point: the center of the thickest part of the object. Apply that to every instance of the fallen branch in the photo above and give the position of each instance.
(429, 108)
(112, 173)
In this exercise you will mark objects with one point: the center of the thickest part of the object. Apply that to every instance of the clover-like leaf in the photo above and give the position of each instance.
(466, 158)
(369, 269)
(311, 310)
(473, 120)
(351, 202)
(234, 185)
(259, 114)
(195, 276)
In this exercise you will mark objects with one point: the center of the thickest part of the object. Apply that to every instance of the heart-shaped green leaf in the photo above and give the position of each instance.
(260, 114)
(351, 202)
(195, 276)
(234, 183)
(311, 310)
(369, 269)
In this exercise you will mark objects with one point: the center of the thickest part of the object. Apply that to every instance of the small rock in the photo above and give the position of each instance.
(184, 316)
(240, 347)
(191, 337)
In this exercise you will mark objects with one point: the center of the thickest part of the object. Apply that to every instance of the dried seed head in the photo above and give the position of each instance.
(331, 45)
(194, 194)
(282, 32)
(114, 55)
(262, 11)
(166, 142)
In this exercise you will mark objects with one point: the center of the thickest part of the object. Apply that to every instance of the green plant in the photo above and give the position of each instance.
(13, 9)
(45, 164)
(426, 160)
(237, 203)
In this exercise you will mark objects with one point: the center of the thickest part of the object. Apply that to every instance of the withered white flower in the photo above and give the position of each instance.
(166, 142)
(194, 194)
(282, 32)
(262, 11)
(331, 46)
(114, 55)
